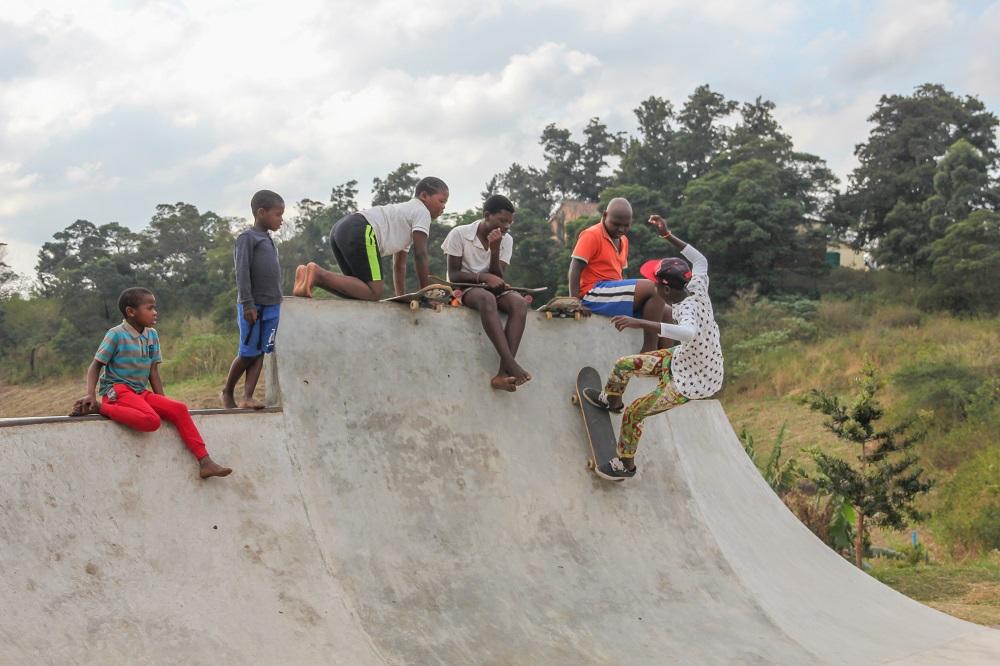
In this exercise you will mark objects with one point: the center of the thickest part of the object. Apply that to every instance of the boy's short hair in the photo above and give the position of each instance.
(265, 199)
(496, 203)
(430, 185)
(132, 298)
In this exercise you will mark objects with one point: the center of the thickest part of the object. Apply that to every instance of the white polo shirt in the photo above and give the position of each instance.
(394, 224)
(463, 242)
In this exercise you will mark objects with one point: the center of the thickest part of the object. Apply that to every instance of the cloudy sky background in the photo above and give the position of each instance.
(108, 108)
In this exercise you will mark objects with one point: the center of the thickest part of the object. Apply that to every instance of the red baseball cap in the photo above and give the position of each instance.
(672, 271)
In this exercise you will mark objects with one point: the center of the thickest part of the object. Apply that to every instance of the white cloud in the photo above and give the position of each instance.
(830, 127)
(899, 36)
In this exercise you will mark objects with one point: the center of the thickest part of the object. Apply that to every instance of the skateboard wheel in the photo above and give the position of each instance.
(438, 307)
(578, 316)
(590, 463)
(529, 299)
(574, 399)
(548, 315)
(414, 305)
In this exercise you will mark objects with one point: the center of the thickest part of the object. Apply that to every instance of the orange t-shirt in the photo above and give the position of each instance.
(604, 261)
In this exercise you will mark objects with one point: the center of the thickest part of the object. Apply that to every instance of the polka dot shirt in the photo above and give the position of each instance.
(697, 365)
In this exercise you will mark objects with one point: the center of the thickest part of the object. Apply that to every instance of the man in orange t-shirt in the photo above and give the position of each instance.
(595, 273)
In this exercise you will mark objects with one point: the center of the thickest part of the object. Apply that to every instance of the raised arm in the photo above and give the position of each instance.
(699, 264)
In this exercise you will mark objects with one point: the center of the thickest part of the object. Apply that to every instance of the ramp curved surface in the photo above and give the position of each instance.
(399, 511)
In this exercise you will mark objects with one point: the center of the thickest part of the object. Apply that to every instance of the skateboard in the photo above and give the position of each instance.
(434, 296)
(596, 421)
(459, 287)
(562, 307)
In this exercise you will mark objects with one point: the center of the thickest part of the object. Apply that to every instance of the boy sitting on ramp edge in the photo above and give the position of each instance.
(480, 253)
(689, 371)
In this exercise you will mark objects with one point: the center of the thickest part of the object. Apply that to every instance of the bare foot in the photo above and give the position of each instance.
(503, 383)
(209, 467)
(250, 403)
(519, 374)
(228, 401)
(305, 277)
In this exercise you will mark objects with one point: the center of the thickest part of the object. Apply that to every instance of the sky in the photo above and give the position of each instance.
(110, 107)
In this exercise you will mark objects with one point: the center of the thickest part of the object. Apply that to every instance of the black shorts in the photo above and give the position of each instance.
(356, 248)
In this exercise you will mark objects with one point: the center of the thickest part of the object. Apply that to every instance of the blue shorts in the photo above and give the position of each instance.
(258, 338)
(611, 298)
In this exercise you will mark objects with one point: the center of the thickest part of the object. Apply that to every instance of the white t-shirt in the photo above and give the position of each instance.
(394, 224)
(463, 242)
(697, 365)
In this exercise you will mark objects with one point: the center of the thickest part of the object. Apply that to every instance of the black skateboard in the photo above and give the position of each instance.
(596, 421)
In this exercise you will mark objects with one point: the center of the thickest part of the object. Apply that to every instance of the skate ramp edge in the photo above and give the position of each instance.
(399, 511)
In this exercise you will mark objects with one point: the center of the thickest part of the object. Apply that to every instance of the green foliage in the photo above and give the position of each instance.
(780, 474)
(889, 190)
(747, 224)
(966, 263)
(940, 385)
(575, 170)
(969, 514)
(843, 517)
(887, 480)
(199, 355)
(396, 187)
(753, 327)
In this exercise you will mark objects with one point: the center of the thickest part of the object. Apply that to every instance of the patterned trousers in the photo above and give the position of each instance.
(665, 396)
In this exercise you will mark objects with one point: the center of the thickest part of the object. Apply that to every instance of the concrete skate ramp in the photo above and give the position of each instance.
(399, 511)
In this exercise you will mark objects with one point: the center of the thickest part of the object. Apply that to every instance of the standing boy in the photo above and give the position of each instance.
(596, 273)
(128, 358)
(692, 370)
(480, 253)
(359, 240)
(258, 297)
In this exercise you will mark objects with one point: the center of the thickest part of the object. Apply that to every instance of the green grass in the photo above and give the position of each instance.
(968, 591)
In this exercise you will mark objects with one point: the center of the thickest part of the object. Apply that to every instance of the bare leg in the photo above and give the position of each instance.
(517, 311)
(236, 370)
(313, 275)
(653, 309)
(250, 385)
(486, 303)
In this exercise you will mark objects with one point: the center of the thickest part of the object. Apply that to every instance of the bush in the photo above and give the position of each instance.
(898, 316)
(968, 518)
(834, 317)
(938, 385)
(199, 355)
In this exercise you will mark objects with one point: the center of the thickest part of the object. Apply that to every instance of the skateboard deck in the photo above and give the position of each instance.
(562, 307)
(459, 287)
(434, 296)
(596, 421)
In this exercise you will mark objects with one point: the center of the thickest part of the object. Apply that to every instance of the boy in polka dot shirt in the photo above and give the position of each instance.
(692, 370)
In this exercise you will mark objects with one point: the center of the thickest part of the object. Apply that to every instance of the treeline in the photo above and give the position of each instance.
(922, 200)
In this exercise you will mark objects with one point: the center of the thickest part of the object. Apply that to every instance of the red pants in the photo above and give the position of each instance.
(142, 411)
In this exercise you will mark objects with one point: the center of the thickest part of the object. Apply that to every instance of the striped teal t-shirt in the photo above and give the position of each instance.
(127, 356)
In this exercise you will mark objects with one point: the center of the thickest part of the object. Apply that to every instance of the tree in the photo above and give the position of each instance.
(701, 134)
(188, 252)
(8, 277)
(961, 185)
(745, 221)
(885, 483)
(650, 159)
(965, 263)
(576, 170)
(397, 187)
(888, 190)
(526, 187)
